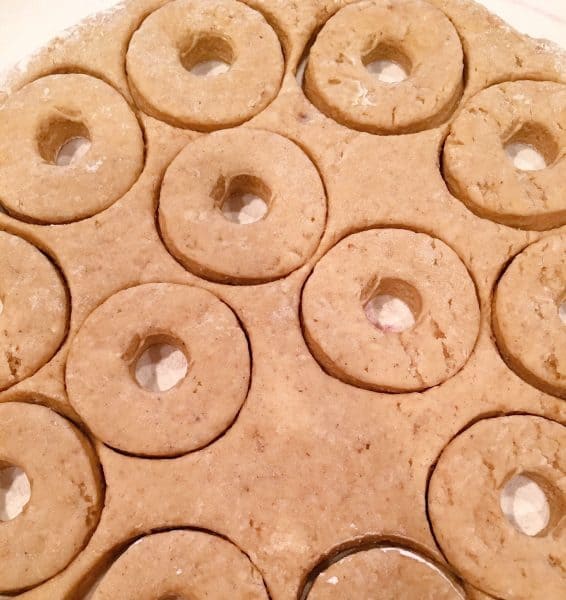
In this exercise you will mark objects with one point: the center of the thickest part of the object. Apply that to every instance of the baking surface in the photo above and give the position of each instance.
(316, 465)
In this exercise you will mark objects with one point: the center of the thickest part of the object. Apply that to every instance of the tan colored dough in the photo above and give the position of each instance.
(526, 317)
(66, 495)
(37, 120)
(191, 31)
(182, 564)
(379, 574)
(478, 171)
(204, 175)
(465, 512)
(103, 390)
(33, 319)
(441, 296)
(411, 32)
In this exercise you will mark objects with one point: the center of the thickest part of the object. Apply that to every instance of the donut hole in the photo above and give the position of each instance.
(62, 141)
(388, 64)
(161, 363)
(15, 491)
(393, 306)
(531, 148)
(243, 200)
(531, 504)
(209, 56)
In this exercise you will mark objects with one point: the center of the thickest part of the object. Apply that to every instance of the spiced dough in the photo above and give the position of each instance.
(285, 451)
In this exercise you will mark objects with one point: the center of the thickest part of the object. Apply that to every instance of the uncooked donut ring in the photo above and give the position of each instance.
(421, 271)
(530, 332)
(66, 494)
(465, 513)
(182, 564)
(186, 32)
(34, 309)
(382, 574)
(208, 172)
(102, 359)
(410, 32)
(479, 172)
(38, 120)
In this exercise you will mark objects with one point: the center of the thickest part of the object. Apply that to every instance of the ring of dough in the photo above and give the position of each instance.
(530, 333)
(102, 359)
(206, 174)
(382, 574)
(182, 564)
(37, 121)
(421, 271)
(66, 494)
(412, 33)
(468, 523)
(34, 309)
(479, 172)
(176, 37)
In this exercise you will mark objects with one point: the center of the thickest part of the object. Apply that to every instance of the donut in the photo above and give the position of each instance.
(208, 172)
(421, 271)
(182, 564)
(478, 171)
(188, 416)
(412, 33)
(529, 328)
(465, 513)
(38, 120)
(66, 494)
(34, 309)
(184, 33)
(382, 574)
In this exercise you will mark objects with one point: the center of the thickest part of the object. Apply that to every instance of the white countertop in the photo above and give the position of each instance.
(26, 25)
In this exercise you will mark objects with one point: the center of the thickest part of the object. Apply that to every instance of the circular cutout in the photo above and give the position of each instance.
(189, 415)
(525, 505)
(15, 491)
(526, 315)
(420, 270)
(464, 496)
(161, 366)
(182, 564)
(199, 190)
(183, 39)
(482, 166)
(40, 124)
(383, 574)
(356, 43)
(34, 315)
(66, 496)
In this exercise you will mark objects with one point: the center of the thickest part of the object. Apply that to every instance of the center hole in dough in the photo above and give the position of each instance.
(15, 491)
(161, 364)
(62, 141)
(561, 311)
(532, 148)
(244, 200)
(394, 306)
(208, 56)
(525, 505)
(388, 64)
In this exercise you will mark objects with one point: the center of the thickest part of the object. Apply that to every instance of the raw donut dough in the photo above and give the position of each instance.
(207, 172)
(186, 32)
(379, 574)
(33, 318)
(526, 315)
(410, 32)
(478, 170)
(38, 120)
(194, 412)
(66, 496)
(465, 512)
(423, 272)
(182, 564)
